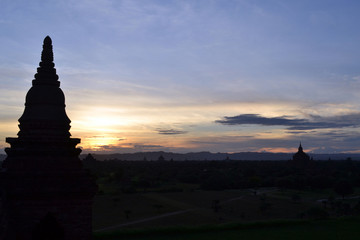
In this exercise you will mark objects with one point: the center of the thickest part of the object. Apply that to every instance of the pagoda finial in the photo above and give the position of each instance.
(47, 39)
(47, 52)
(46, 72)
(300, 147)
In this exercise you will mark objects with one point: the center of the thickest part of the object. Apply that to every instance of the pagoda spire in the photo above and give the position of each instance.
(46, 73)
(300, 148)
(44, 113)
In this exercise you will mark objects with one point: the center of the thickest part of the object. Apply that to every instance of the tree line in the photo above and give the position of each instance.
(142, 175)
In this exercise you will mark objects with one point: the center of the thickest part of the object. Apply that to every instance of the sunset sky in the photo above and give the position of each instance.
(191, 75)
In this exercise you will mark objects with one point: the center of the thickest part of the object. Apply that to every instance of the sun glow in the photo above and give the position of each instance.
(96, 143)
(104, 123)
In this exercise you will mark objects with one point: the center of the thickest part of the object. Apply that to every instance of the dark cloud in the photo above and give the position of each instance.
(329, 142)
(147, 146)
(296, 132)
(334, 134)
(293, 124)
(170, 131)
(106, 147)
(257, 119)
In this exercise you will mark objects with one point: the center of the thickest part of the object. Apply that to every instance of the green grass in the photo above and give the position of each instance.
(235, 206)
(344, 229)
(109, 209)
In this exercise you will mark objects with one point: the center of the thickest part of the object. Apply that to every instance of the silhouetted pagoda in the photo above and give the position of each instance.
(301, 158)
(46, 194)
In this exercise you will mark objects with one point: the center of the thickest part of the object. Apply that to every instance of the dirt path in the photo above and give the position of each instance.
(169, 214)
(339, 198)
(156, 217)
(143, 220)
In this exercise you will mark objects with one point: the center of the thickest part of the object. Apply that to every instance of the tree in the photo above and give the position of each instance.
(343, 187)
(89, 160)
(127, 213)
(317, 213)
(264, 204)
(296, 198)
(161, 158)
(215, 205)
(158, 207)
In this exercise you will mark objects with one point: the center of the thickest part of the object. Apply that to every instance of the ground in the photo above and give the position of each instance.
(192, 207)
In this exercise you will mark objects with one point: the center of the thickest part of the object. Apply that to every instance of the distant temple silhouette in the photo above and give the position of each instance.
(45, 192)
(301, 157)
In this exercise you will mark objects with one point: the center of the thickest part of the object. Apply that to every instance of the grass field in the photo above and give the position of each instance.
(197, 207)
(191, 215)
(344, 229)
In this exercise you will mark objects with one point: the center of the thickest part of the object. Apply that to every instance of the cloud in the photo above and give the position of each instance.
(296, 132)
(170, 131)
(107, 137)
(257, 119)
(106, 147)
(329, 141)
(147, 146)
(314, 121)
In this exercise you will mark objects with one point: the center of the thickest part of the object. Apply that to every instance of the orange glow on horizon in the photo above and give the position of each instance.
(278, 150)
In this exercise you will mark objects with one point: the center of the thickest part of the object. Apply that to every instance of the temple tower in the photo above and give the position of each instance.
(46, 194)
(301, 158)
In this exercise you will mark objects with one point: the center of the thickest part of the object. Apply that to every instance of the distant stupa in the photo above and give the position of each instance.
(301, 157)
(46, 194)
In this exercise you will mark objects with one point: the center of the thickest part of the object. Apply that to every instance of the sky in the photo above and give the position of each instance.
(191, 75)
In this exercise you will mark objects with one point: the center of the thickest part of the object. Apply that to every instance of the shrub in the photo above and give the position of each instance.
(317, 213)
